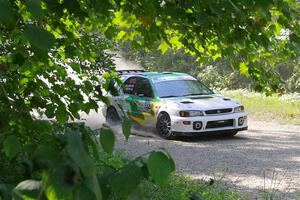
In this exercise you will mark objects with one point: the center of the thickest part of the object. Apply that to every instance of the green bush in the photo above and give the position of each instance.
(223, 78)
(68, 162)
(213, 78)
(182, 188)
(216, 74)
(293, 83)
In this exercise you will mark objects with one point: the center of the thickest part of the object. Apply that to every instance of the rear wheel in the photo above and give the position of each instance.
(163, 126)
(112, 116)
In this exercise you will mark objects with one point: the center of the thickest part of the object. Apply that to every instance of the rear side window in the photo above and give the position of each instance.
(143, 88)
(129, 85)
(138, 86)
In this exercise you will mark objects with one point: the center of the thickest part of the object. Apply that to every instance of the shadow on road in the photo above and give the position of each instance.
(210, 137)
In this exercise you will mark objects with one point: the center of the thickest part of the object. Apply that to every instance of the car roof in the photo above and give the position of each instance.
(155, 75)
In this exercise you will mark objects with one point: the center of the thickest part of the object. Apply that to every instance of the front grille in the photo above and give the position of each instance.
(220, 123)
(218, 111)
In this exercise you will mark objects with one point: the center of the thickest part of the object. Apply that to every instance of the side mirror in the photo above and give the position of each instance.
(98, 89)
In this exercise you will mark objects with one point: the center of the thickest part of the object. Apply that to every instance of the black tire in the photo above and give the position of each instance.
(163, 126)
(231, 133)
(112, 116)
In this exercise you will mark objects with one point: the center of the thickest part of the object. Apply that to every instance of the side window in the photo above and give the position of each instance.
(143, 88)
(129, 85)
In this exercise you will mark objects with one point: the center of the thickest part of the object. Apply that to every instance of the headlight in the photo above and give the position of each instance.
(239, 109)
(190, 113)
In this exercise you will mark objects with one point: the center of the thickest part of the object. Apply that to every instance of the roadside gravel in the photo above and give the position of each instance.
(264, 158)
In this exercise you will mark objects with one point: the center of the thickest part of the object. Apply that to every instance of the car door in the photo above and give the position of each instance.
(127, 102)
(141, 100)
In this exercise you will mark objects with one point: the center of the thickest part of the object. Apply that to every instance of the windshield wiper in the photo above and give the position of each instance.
(194, 94)
(169, 96)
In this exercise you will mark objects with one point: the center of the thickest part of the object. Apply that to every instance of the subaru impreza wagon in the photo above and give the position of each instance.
(174, 104)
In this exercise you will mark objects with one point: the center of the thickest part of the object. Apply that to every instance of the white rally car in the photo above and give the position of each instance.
(174, 104)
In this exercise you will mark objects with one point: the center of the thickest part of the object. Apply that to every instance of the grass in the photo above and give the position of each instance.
(284, 109)
(182, 188)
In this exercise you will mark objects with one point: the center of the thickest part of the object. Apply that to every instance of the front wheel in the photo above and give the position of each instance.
(163, 126)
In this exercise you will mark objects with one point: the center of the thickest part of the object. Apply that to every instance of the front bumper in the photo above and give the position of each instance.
(178, 124)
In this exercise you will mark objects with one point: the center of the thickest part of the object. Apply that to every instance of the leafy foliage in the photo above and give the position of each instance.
(61, 166)
(160, 172)
(125, 181)
(52, 51)
(11, 146)
(107, 140)
(254, 33)
(126, 126)
(216, 74)
(183, 188)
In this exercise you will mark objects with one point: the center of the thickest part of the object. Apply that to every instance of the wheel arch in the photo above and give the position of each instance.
(110, 107)
(160, 113)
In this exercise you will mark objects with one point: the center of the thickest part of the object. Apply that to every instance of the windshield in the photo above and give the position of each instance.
(177, 88)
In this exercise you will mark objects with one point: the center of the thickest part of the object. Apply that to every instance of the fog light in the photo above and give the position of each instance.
(241, 121)
(186, 122)
(197, 125)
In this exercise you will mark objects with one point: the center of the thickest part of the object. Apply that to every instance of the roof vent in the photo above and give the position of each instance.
(226, 99)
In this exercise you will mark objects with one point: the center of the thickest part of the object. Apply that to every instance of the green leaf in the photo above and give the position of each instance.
(160, 166)
(29, 185)
(90, 189)
(6, 12)
(61, 181)
(78, 154)
(74, 108)
(28, 189)
(89, 139)
(125, 181)
(50, 111)
(39, 38)
(76, 67)
(23, 81)
(142, 163)
(86, 193)
(126, 128)
(107, 140)
(5, 191)
(34, 7)
(11, 146)
(163, 47)
(104, 184)
(110, 32)
(93, 184)
(244, 68)
(61, 114)
(105, 100)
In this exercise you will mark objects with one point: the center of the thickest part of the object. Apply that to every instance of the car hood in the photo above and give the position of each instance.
(203, 102)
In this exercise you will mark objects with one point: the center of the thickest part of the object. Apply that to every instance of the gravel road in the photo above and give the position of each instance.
(266, 157)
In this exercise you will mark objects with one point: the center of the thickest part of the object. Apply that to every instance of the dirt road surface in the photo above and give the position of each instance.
(264, 158)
